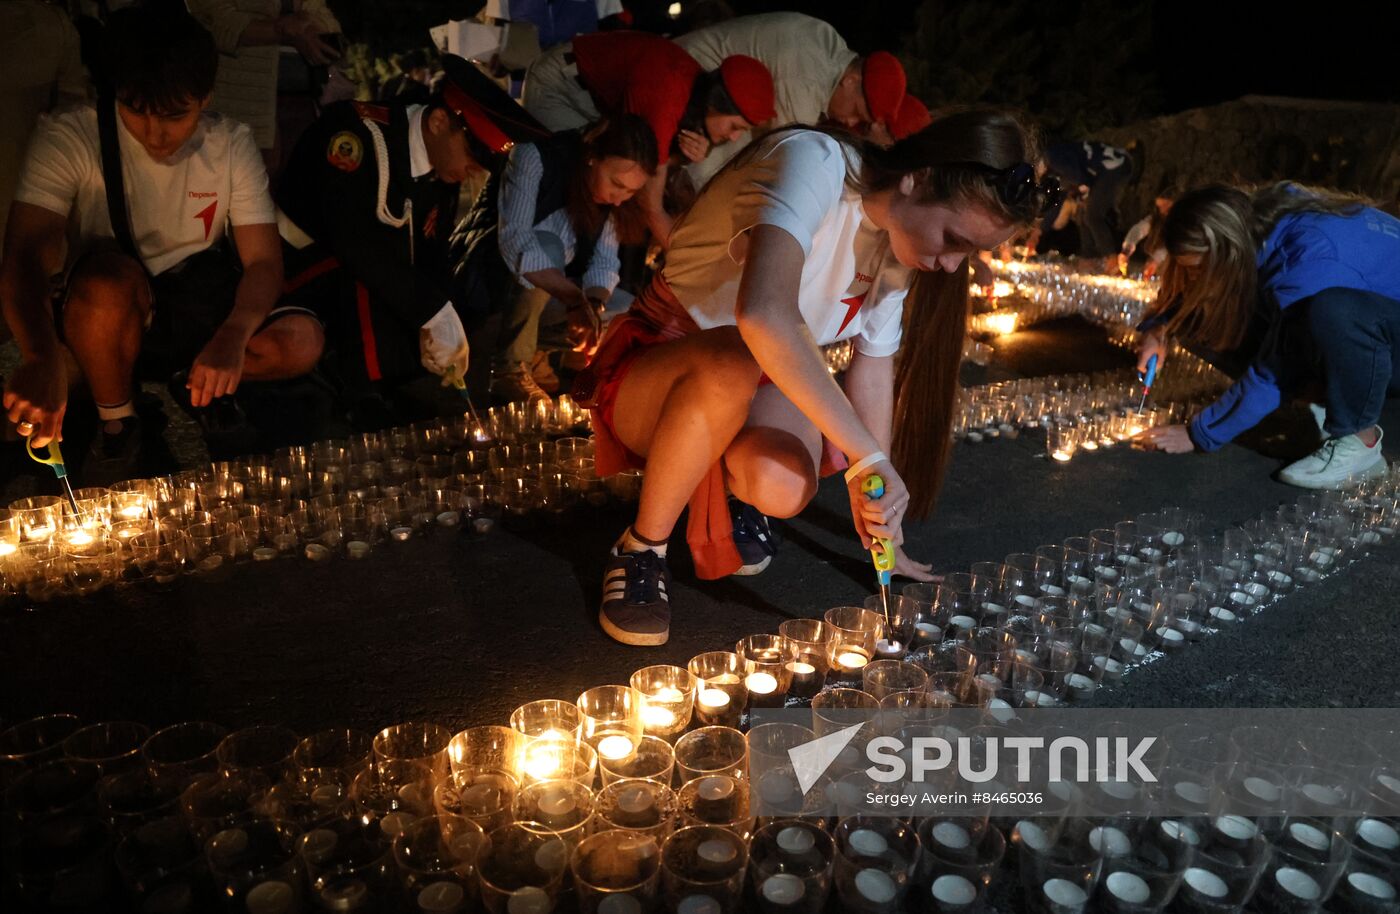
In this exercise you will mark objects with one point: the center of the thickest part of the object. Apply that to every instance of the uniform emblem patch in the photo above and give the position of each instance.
(345, 151)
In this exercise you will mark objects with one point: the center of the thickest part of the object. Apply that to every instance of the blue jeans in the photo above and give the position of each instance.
(1357, 336)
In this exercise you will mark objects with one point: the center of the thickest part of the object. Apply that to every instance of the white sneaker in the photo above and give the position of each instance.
(1338, 461)
(1319, 414)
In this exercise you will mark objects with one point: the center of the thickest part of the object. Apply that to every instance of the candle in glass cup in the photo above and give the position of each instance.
(668, 696)
(721, 695)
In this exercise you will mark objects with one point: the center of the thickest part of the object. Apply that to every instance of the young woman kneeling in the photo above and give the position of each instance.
(715, 382)
(1282, 288)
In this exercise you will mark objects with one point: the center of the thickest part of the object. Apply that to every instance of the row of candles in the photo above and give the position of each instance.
(1049, 288)
(1084, 411)
(646, 792)
(331, 498)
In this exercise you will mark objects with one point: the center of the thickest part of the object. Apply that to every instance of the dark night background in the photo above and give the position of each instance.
(1078, 64)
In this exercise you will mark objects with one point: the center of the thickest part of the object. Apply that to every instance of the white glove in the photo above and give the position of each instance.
(442, 344)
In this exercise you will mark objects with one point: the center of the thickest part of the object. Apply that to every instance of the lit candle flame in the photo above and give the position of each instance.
(761, 683)
(657, 718)
(714, 699)
(852, 660)
(614, 747)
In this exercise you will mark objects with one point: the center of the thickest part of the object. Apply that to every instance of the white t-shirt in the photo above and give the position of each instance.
(852, 286)
(178, 207)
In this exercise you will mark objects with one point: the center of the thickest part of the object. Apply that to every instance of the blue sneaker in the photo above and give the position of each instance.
(753, 536)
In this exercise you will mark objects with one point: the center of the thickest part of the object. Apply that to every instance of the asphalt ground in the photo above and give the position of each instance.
(461, 629)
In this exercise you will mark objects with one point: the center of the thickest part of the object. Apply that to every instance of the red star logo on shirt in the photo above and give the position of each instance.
(207, 214)
(853, 305)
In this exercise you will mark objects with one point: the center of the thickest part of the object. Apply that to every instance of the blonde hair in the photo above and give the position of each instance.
(1225, 226)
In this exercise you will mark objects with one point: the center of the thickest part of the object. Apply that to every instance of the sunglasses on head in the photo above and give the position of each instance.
(1017, 184)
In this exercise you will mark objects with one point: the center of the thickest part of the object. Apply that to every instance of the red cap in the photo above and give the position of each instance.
(750, 84)
(882, 80)
(911, 117)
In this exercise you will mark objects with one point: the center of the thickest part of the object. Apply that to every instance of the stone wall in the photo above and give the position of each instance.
(1352, 146)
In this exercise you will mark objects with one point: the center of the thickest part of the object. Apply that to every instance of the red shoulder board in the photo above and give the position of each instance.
(377, 113)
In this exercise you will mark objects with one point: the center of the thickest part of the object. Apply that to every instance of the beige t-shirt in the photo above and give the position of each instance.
(178, 207)
(852, 286)
(806, 56)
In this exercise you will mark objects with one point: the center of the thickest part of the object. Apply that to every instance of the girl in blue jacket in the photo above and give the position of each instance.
(1297, 285)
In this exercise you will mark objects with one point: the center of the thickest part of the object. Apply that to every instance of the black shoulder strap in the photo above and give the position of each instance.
(112, 177)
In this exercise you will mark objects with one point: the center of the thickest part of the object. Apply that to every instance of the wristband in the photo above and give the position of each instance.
(865, 463)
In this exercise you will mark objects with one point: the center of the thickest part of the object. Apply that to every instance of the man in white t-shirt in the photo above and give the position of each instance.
(167, 286)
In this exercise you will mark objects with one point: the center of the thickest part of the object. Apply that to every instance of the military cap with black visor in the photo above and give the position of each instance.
(366, 207)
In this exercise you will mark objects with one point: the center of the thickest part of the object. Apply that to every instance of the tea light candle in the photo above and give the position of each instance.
(889, 650)
(1193, 793)
(1380, 835)
(441, 898)
(715, 789)
(1236, 830)
(483, 525)
(1309, 836)
(481, 799)
(1173, 538)
(951, 835)
(273, 897)
(395, 824)
(867, 843)
(851, 661)
(1170, 639)
(449, 518)
(805, 681)
(1179, 831)
(952, 891)
(1064, 896)
(1061, 455)
(796, 841)
(1261, 789)
(401, 534)
(716, 851)
(1001, 710)
(636, 801)
(1221, 614)
(1372, 888)
(876, 886)
(556, 803)
(317, 553)
(698, 904)
(529, 899)
(1032, 835)
(79, 537)
(1081, 687)
(264, 554)
(1128, 888)
(1111, 842)
(783, 890)
(1297, 883)
(713, 701)
(210, 564)
(614, 747)
(761, 685)
(357, 549)
(962, 623)
(345, 896)
(655, 717)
